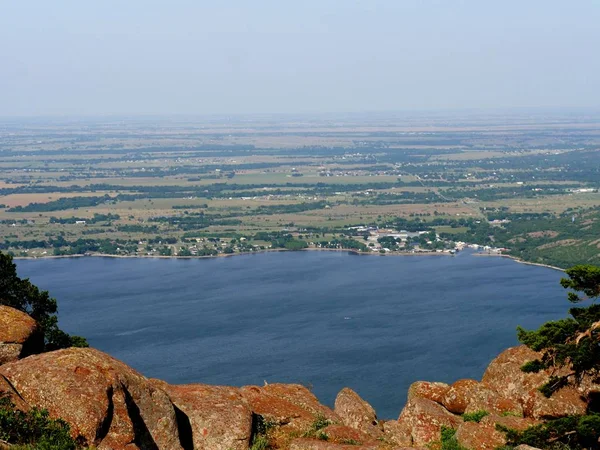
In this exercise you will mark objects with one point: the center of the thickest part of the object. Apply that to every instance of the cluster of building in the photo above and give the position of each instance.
(374, 241)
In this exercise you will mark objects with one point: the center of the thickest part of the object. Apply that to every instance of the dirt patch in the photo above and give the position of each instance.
(517, 240)
(545, 233)
(561, 243)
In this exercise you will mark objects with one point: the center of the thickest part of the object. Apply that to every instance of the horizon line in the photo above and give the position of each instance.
(223, 115)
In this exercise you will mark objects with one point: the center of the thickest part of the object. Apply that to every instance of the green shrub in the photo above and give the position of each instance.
(511, 414)
(294, 244)
(260, 432)
(320, 422)
(576, 432)
(33, 429)
(570, 342)
(321, 435)
(533, 366)
(448, 439)
(475, 416)
(260, 442)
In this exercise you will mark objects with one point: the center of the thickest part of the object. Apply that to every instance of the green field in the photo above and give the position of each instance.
(155, 189)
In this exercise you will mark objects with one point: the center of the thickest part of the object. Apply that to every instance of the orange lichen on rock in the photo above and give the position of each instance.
(19, 335)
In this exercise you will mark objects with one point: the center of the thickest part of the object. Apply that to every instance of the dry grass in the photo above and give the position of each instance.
(24, 199)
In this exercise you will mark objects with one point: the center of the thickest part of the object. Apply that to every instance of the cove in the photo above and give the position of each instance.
(323, 319)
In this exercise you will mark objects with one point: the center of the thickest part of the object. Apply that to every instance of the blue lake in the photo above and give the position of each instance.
(324, 319)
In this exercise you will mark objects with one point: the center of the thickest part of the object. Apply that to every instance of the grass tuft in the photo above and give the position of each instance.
(475, 416)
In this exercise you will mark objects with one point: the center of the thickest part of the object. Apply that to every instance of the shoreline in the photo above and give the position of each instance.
(277, 250)
(519, 260)
(223, 255)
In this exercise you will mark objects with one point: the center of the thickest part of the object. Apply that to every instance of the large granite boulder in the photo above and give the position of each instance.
(106, 403)
(479, 436)
(430, 390)
(484, 399)
(397, 433)
(291, 410)
(458, 396)
(219, 417)
(8, 391)
(357, 413)
(505, 377)
(567, 401)
(425, 418)
(485, 436)
(289, 405)
(19, 335)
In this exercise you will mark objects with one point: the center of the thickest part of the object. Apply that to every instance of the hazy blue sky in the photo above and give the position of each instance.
(246, 56)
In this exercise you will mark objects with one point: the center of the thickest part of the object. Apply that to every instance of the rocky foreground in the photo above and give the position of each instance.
(111, 406)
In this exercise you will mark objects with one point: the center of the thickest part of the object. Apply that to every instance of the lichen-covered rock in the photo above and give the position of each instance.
(479, 436)
(300, 396)
(425, 419)
(6, 390)
(397, 433)
(357, 413)
(274, 409)
(430, 390)
(504, 374)
(112, 407)
(19, 335)
(106, 403)
(512, 422)
(9, 352)
(484, 399)
(219, 417)
(342, 434)
(313, 444)
(291, 406)
(505, 377)
(564, 402)
(458, 396)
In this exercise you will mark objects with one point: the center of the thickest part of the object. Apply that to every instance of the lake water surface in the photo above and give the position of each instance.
(324, 319)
